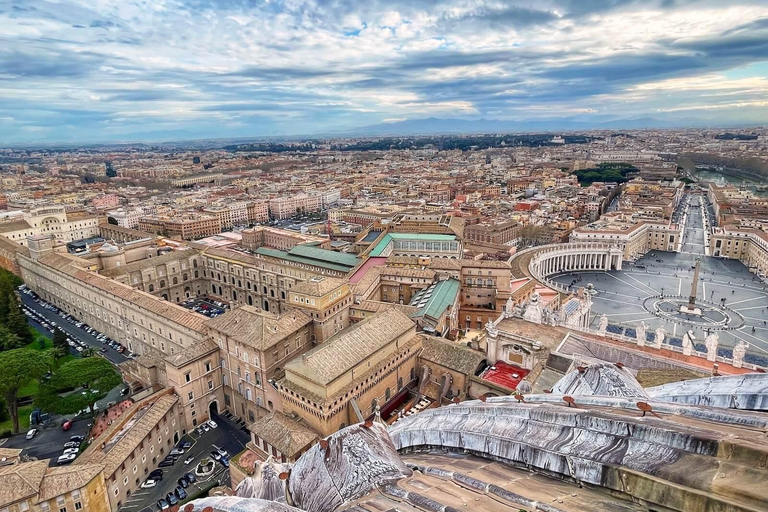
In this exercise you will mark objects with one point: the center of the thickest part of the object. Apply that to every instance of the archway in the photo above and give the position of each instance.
(213, 409)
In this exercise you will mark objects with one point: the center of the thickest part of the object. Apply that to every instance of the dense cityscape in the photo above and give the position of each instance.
(310, 256)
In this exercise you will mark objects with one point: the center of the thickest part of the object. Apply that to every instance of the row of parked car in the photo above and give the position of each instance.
(178, 494)
(72, 341)
(71, 449)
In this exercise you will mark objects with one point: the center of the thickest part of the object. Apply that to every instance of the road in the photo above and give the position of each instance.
(227, 435)
(71, 329)
(693, 231)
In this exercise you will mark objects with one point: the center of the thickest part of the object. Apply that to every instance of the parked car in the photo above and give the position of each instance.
(177, 451)
(149, 483)
(224, 462)
(183, 482)
(156, 474)
(181, 493)
(31, 433)
(212, 424)
(185, 444)
(205, 427)
(190, 477)
(222, 451)
(72, 444)
(216, 456)
(66, 425)
(79, 439)
(69, 451)
(66, 459)
(162, 504)
(189, 459)
(171, 499)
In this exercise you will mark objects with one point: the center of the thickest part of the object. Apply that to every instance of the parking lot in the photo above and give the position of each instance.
(49, 441)
(205, 306)
(70, 329)
(226, 435)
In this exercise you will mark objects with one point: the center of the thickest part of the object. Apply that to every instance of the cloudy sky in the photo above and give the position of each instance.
(91, 70)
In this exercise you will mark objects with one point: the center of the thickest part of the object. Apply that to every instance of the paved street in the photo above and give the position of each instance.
(227, 435)
(71, 329)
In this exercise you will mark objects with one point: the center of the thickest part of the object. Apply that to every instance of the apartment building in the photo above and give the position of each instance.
(326, 300)
(186, 227)
(188, 181)
(287, 207)
(505, 233)
(134, 444)
(254, 347)
(257, 211)
(36, 486)
(748, 245)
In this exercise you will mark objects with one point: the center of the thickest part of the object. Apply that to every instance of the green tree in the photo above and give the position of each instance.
(77, 384)
(8, 340)
(18, 325)
(88, 352)
(60, 340)
(19, 366)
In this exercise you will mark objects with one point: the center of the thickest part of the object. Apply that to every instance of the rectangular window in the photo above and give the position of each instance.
(187, 376)
(210, 384)
(191, 395)
(78, 505)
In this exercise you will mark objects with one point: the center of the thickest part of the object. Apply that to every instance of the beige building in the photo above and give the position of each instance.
(750, 246)
(186, 227)
(345, 379)
(35, 486)
(49, 220)
(326, 300)
(134, 444)
(282, 239)
(255, 347)
(635, 237)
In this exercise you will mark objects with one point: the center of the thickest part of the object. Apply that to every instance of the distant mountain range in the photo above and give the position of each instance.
(433, 125)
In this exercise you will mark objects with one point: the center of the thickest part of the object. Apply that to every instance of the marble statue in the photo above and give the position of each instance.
(491, 329)
(739, 351)
(711, 343)
(518, 311)
(509, 308)
(659, 336)
(688, 339)
(603, 324)
(533, 313)
(641, 334)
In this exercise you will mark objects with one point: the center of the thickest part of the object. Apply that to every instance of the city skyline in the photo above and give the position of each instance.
(135, 70)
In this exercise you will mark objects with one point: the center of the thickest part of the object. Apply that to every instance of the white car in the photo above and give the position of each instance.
(212, 424)
(66, 459)
(31, 433)
(148, 484)
(71, 451)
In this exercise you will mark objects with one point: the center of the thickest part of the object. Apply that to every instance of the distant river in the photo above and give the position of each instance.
(730, 180)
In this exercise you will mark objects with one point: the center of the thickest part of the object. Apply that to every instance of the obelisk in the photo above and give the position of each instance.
(690, 308)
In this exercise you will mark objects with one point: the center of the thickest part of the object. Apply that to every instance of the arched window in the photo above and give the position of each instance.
(259, 401)
(196, 274)
(489, 282)
(250, 300)
(387, 394)
(175, 280)
(272, 292)
(248, 395)
(185, 277)
(399, 383)
(162, 283)
(213, 288)
(194, 263)
(151, 288)
(234, 295)
(282, 295)
(220, 291)
(374, 403)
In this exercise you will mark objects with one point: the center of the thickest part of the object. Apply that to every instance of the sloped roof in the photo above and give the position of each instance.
(21, 481)
(436, 298)
(63, 479)
(318, 286)
(451, 355)
(350, 347)
(285, 434)
(256, 328)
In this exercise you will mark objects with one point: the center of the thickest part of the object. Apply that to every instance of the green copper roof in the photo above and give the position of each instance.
(313, 256)
(421, 237)
(443, 294)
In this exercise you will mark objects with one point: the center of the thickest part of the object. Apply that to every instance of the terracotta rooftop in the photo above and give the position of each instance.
(256, 328)
(21, 481)
(63, 479)
(285, 434)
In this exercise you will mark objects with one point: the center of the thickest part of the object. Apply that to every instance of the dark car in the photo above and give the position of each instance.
(162, 504)
(157, 474)
(190, 477)
(183, 482)
(185, 445)
(224, 462)
(77, 439)
(166, 463)
(181, 493)
(216, 456)
(171, 498)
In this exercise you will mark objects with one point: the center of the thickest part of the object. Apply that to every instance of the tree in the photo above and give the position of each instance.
(77, 385)
(112, 220)
(18, 325)
(60, 340)
(88, 352)
(8, 340)
(19, 366)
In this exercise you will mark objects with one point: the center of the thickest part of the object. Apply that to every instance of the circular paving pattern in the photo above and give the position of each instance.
(713, 316)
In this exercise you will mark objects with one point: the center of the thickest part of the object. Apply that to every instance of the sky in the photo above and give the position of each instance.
(98, 70)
